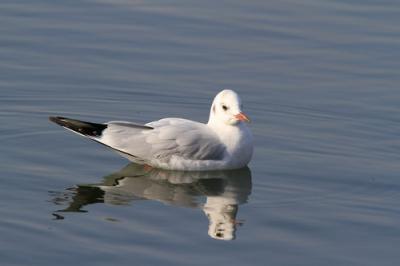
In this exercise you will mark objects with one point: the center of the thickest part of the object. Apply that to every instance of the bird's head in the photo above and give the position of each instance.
(227, 109)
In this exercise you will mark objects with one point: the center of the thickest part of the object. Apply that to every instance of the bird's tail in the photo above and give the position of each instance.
(86, 129)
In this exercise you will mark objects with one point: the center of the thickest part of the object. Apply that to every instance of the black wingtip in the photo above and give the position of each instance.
(57, 119)
(81, 127)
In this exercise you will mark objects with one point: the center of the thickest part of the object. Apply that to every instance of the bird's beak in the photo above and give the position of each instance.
(242, 117)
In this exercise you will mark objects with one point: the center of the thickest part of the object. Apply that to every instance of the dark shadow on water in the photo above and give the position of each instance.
(217, 193)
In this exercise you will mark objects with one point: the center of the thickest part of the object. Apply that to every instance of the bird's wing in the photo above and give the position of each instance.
(159, 140)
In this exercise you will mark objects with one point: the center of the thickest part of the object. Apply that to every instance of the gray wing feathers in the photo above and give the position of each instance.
(164, 138)
(128, 124)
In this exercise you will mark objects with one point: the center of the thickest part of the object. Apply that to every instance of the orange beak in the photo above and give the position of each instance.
(242, 117)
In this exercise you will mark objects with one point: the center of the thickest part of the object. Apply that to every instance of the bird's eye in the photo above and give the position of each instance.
(224, 107)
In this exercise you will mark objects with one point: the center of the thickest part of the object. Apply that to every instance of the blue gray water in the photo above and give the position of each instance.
(319, 79)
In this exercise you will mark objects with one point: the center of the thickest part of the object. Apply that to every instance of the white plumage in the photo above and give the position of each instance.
(225, 142)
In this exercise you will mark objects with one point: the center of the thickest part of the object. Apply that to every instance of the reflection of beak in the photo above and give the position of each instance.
(242, 117)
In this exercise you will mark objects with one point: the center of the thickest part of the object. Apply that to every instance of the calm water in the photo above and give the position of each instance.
(320, 80)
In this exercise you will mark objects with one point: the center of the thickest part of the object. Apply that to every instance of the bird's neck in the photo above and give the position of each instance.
(227, 133)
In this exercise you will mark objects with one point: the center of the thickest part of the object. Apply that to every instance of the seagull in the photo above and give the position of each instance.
(225, 142)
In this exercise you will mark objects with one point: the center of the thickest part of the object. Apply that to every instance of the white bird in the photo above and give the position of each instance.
(225, 142)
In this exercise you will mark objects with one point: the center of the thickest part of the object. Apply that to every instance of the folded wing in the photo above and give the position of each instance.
(160, 140)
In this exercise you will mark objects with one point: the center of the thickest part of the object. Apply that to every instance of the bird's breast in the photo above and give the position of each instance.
(239, 145)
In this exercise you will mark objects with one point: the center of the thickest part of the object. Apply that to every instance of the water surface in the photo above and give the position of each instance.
(319, 80)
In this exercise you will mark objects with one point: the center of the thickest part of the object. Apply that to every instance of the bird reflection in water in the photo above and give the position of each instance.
(217, 193)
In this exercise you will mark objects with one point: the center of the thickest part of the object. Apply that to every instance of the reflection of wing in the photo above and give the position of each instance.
(145, 188)
(157, 141)
(222, 192)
